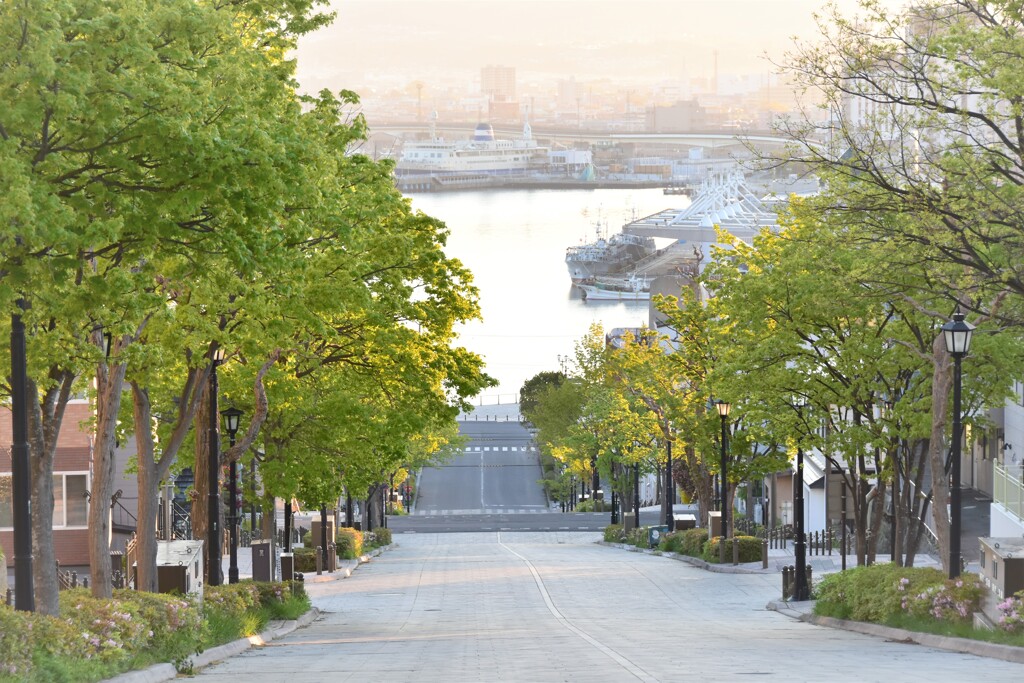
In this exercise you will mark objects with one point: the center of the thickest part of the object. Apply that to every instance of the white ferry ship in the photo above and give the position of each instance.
(482, 155)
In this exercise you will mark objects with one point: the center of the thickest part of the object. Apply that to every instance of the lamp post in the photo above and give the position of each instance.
(636, 494)
(723, 412)
(670, 490)
(213, 561)
(21, 477)
(957, 336)
(231, 417)
(800, 587)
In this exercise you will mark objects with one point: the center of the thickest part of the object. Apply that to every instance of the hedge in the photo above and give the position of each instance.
(749, 547)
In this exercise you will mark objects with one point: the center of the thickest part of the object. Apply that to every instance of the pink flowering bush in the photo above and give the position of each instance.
(15, 642)
(952, 600)
(231, 600)
(94, 639)
(883, 593)
(1012, 609)
(105, 629)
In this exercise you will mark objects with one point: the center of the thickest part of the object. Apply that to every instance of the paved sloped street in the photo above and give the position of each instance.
(560, 607)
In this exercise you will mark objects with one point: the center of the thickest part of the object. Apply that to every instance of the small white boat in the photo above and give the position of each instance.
(615, 289)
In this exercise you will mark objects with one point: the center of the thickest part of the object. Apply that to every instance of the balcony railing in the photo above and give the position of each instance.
(1008, 489)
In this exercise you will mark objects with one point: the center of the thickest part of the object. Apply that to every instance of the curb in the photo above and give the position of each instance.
(346, 568)
(1008, 653)
(692, 561)
(978, 648)
(158, 673)
(166, 672)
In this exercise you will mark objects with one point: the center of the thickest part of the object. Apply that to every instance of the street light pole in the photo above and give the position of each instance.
(231, 417)
(213, 561)
(723, 412)
(957, 336)
(800, 591)
(670, 490)
(21, 477)
(636, 494)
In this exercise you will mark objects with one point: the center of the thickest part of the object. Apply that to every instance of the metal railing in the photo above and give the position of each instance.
(1008, 490)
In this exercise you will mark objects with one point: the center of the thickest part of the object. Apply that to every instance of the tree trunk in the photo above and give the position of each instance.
(44, 425)
(913, 506)
(942, 381)
(875, 521)
(108, 403)
(149, 482)
(200, 500)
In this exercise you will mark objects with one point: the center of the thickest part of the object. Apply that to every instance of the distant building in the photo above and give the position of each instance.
(498, 82)
(684, 116)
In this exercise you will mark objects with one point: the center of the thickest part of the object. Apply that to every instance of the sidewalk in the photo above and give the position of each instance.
(345, 567)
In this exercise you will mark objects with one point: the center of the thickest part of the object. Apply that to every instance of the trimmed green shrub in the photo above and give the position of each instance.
(884, 592)
(670, 542)
(613, 533)
(692, 541)
(15, 643)
(638, 537)
(349, 543)
(305, 559)
(749, 547)
(381, 536)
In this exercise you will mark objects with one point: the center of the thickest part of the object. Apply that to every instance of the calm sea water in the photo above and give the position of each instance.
(514, 242)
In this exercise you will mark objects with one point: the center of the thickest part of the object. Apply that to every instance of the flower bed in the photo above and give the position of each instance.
(94, 639)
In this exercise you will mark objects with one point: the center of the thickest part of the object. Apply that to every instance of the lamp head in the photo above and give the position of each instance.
(232, 416)
(723, 408)
(957, 335)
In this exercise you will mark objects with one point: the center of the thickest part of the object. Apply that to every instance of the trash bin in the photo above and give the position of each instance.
(628, 521)
(287, 567)
(261, 560)
(654, 534)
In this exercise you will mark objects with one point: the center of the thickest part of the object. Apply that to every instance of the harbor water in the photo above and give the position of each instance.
(514, 243)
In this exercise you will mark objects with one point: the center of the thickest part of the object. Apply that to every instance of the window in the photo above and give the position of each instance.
(6, 502)
(70, 506)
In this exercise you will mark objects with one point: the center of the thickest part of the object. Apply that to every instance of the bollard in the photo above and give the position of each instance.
(831, 538)
(786, 583)
(74, 579)
(735, 550)
(764, 554)
(810, 582)
(10, 597)
(319, 560)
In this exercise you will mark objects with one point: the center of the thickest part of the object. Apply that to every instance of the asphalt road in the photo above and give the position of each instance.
(493, 486)
(555, 607)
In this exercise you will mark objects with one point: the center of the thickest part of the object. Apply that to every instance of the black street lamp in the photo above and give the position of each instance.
(213, 561)
(800, 587)
(670, 490)
(957, 336)
(21, 477)
(723, 412)
(231, 418)
(636, 494)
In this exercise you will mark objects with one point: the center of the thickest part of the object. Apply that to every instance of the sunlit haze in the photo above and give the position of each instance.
(647, 51)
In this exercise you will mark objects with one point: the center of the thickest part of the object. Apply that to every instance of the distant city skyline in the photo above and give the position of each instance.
(394, 43)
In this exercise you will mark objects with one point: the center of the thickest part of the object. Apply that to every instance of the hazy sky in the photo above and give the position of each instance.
(636, 40)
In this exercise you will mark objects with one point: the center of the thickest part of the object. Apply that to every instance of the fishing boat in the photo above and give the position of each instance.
(633, 288)
(607, 256)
